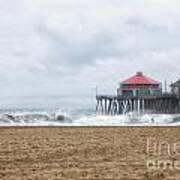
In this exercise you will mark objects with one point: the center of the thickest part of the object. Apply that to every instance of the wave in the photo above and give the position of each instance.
(82, 118)
(32, 118)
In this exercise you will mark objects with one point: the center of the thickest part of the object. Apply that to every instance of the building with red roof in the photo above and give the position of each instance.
(140, 85)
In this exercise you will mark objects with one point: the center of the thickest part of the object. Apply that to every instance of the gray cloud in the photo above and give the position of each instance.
(64, 48)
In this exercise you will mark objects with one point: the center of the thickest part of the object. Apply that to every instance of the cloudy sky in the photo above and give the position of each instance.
(57, 51)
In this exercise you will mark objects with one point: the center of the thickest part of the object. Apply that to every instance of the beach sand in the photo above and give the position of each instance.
(88, 153)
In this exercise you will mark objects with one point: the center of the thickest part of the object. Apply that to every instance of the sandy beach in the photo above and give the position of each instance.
(93, 153)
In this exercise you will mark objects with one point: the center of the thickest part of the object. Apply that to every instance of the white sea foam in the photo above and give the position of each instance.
(83, 118)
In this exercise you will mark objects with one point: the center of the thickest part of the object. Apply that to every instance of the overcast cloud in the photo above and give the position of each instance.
(55, 49)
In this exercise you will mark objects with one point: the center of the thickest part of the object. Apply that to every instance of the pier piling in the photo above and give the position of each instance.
(114, 105)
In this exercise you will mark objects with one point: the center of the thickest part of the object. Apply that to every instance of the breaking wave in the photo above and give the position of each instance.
(82, 118)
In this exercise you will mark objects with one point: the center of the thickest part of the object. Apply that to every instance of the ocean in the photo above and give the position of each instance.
(82, 117)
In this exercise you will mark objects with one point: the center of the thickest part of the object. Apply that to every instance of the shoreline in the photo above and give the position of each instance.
(91, 126)
(84, 152)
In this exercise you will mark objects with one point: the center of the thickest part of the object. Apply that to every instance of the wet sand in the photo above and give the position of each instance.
(85, 153)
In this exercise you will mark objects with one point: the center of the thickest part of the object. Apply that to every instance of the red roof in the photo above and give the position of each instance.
(139, 78)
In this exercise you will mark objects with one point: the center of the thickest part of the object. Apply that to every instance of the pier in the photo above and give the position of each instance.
(140, 94)
(115, 105)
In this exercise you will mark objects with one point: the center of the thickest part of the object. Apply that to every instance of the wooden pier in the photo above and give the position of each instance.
(114, 105)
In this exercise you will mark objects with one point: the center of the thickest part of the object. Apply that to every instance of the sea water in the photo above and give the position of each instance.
(81, 117)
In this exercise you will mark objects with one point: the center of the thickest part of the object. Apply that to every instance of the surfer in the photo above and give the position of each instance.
(152, 120)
